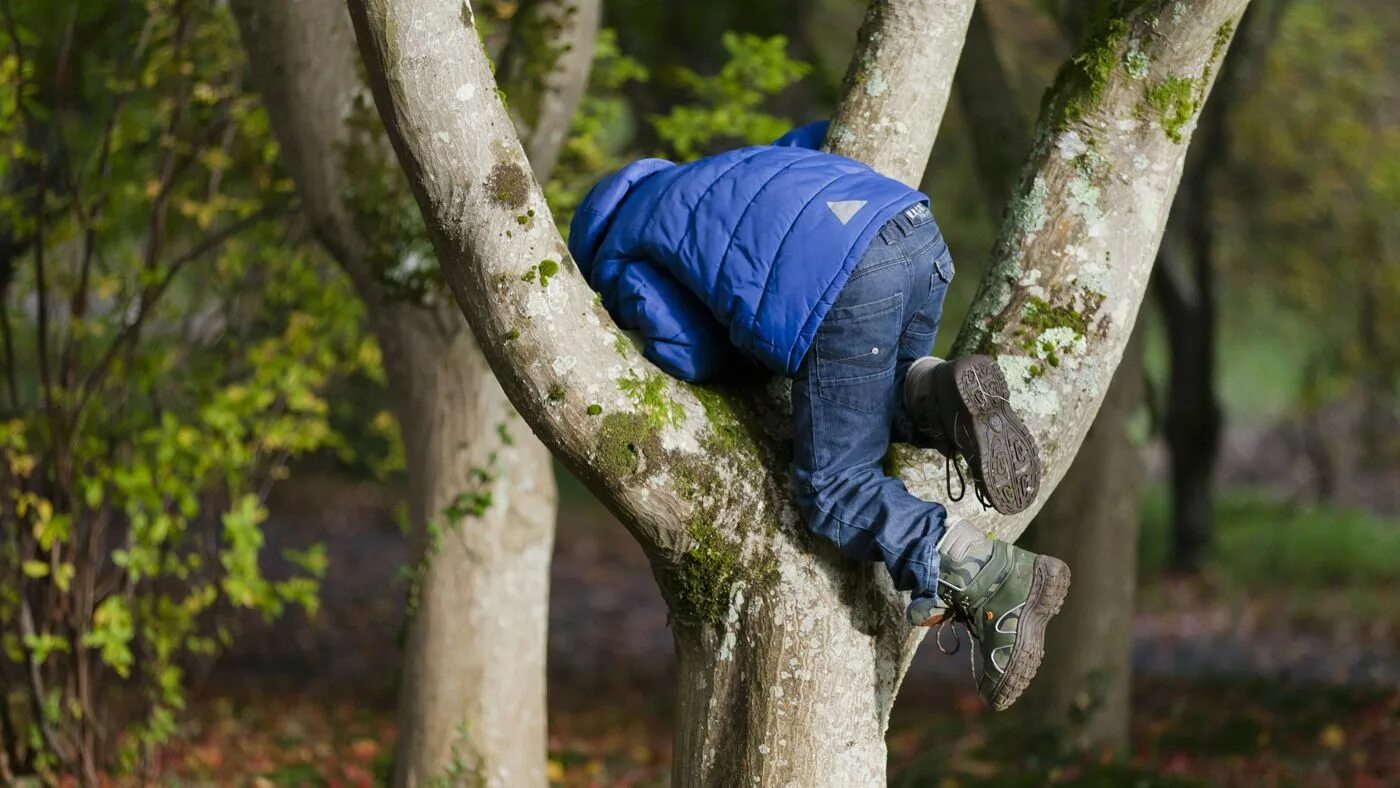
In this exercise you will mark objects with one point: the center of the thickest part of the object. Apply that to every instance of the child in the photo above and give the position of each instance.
(829, 273)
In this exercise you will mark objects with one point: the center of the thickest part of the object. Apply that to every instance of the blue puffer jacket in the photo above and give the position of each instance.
(746, 250)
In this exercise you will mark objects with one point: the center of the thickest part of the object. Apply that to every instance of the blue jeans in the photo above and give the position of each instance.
(848, 404)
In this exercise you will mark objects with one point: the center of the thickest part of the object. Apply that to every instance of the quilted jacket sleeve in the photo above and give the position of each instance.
(679, 334)
(595, 214)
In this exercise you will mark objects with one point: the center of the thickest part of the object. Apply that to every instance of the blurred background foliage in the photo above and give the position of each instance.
(174, 343)
(167, 342)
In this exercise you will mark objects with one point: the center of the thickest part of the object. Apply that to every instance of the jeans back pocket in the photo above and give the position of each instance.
(856, 349)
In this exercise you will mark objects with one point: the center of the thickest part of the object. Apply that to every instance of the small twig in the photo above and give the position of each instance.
(277, 464)
(36, 683)
(155, 223)
(7, 342)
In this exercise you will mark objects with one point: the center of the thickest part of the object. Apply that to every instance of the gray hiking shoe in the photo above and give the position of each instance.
(963, 407)
(1004, 597)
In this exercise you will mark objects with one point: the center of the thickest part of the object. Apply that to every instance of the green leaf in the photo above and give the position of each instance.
(112, 632)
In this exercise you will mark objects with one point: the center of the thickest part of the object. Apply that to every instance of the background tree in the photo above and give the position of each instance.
(759, 610)
(481, 489)
(1185, 286)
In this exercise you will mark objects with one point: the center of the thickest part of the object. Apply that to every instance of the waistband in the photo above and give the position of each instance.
(906, 222)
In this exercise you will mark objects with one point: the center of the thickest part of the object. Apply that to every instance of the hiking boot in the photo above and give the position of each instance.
(1004, 596)
(963, 407)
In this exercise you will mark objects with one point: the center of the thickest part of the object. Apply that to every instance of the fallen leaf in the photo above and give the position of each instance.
(1333, 737)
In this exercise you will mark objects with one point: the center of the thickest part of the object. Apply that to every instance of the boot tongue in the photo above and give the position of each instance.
(963, 545)
(963, 553)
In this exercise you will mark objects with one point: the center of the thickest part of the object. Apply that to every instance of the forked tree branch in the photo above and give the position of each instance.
(1057, 304)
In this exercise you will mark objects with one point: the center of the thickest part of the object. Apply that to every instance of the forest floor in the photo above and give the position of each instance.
(1279, 664)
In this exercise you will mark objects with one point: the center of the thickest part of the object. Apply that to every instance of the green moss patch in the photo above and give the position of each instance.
(621, 441)
(508, 185)
(705, 578)
(726, 430)
(548, 270)
(648, 394)
(1080, 85)
(1039, 315)
(1172, 102)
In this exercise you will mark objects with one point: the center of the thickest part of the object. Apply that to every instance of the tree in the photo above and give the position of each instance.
(481, 492)
(1081, 697)
(789, 657)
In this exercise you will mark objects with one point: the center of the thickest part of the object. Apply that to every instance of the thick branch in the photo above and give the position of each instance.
(1077, 245)
(554, 351)
(898, 83)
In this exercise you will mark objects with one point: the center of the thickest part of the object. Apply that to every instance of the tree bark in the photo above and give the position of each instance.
(790, 657)
(1081, 699)
(481, 492)
(472, 691)
(1077, 245)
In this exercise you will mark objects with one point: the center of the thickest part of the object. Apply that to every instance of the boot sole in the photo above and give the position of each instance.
(1006, 457)
(1049, 585)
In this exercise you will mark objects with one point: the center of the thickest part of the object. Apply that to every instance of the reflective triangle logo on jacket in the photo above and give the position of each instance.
(845, 209)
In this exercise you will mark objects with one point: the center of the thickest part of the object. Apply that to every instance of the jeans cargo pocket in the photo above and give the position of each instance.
(944, 265)
(856, 349)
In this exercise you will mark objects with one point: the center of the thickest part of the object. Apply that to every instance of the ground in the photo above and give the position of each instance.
(1242, 679)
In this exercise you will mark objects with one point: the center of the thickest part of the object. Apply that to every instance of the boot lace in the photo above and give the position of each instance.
(959, 612)
(951, 465)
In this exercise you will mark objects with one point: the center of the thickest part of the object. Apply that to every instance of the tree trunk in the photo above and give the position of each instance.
(472, 692)
(796, 684)
(1091, 522)
(481, 490)
(1192, 420)
(1185, 287)
(697, 474)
